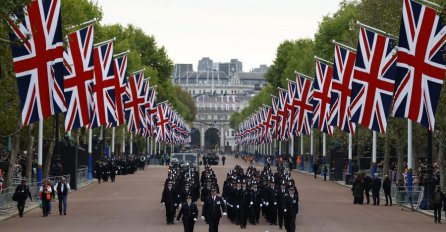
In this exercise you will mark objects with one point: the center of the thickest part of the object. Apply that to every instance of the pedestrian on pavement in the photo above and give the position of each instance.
(21, 194)
(325, 172)
(212, 208)
(387, 184)
(367, 186)
(376, 187)
(62, 188)
(170, 200)
(291, 209)
(45, 195)
(223, 159)
(437, 200)
(358, 190)
(315, 169)
(189, 212)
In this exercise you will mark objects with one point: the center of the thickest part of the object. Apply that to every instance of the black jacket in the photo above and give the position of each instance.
(212, 209)
(170, 197)
(291, 204)
(188, 212)
(23, 192)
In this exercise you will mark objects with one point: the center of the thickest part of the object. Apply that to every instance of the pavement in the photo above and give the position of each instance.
(132, 203)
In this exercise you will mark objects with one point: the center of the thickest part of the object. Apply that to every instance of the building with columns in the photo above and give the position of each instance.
(217, 95)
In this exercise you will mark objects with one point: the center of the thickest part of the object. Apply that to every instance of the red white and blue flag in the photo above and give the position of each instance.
(274, 117)
(134, 102)
(293, 108)
(37, 53)
(341, 89)
(104, 86)
(373, 80)
(321, 96)
(420, 64)
(78, 78)
(163, 124)
(120, 69)
(305, 116)
(150, 108)
(282, 116)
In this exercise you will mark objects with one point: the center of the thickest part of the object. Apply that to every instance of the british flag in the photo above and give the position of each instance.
(293, 109)
(104, 86)
(267, 124)
(341, 89)
(321, 96)
(150, 110)
(38, 59)
(78, 78)
(163, 124)
(274, 117)
(305, 116)
(420, 64)
(134, 103)
(120, 69)
(373, 80)
(282, 116)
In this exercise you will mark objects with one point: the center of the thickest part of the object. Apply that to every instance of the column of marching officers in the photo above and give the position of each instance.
(246, 195)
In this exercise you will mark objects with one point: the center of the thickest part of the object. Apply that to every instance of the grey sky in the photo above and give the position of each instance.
(249, 30)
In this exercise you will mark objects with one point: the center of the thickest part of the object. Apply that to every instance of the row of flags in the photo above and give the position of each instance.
(362, 86)
(86, 81)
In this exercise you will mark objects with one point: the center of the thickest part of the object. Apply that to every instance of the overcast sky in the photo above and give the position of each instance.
(249, 30)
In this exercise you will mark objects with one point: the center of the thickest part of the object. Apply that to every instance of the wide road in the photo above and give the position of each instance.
(132, 204)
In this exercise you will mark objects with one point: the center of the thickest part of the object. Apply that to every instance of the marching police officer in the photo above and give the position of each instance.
(170, 201)
(291, 209)
(255, 204)
(244, 203)
(281, 199)
(213, 205)
(189, 212)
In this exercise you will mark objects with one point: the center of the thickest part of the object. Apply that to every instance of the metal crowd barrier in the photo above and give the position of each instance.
(403, 197)
(82, 177)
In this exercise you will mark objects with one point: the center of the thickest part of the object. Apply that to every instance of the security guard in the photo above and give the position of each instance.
(213, 205)
(189, 212)
(170, 201)
(255, 204)
(291, 209)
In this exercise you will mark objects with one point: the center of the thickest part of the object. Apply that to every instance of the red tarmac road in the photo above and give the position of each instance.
(132, 204)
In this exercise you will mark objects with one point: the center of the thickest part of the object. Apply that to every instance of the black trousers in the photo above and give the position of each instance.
(21, 206)
(437, 212)
(46, 206)
(387, 194)
(290, 222)
(243, 216)
(170, 212)
(367, 195)
(188, 225)
(272, 213)
(375, 196)
(254, 214)
(280, 215)
(213, 224)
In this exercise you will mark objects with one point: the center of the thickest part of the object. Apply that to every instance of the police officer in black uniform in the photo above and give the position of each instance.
(170, 200)
(282, 193)
(291, 209)
(189, 211)
(255, 204)
(213, 205)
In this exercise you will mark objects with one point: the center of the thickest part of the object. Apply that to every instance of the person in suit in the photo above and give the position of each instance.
(376, 187)
(291, 209)
(387, 185)
(22, 192)
(213, 205)
(189, 212)
(170, 200)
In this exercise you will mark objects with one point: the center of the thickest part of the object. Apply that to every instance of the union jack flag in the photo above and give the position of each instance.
(321, 97)
(341, 89)
(38, 59)
(305, 116)
(163, 124)
(373, 80)
(120, 69)
(420, 64)
(293, 109)
(150, 107)
(274, 116)
(282, 116)
(267, 124)
(78, 78)
(104, 86)
(134, 103)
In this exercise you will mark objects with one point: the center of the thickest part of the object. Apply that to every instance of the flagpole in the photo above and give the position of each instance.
(302, 165)
(131, 143)
(112, 150)
(40, 153)
(123, 140)
(90, 154)
(82, 24)
(350, 153)
(374, 154)
(324, 147)
(409, 155)
(310, 161)
(292, 146)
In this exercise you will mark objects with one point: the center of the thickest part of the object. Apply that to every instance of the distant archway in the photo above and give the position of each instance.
(195, 138)
(212, 138)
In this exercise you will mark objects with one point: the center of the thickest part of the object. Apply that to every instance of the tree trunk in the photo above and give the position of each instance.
(442, 167)
(30, 153)
(400, 168)
(13, 155)
(49, 155)
(386, 155)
